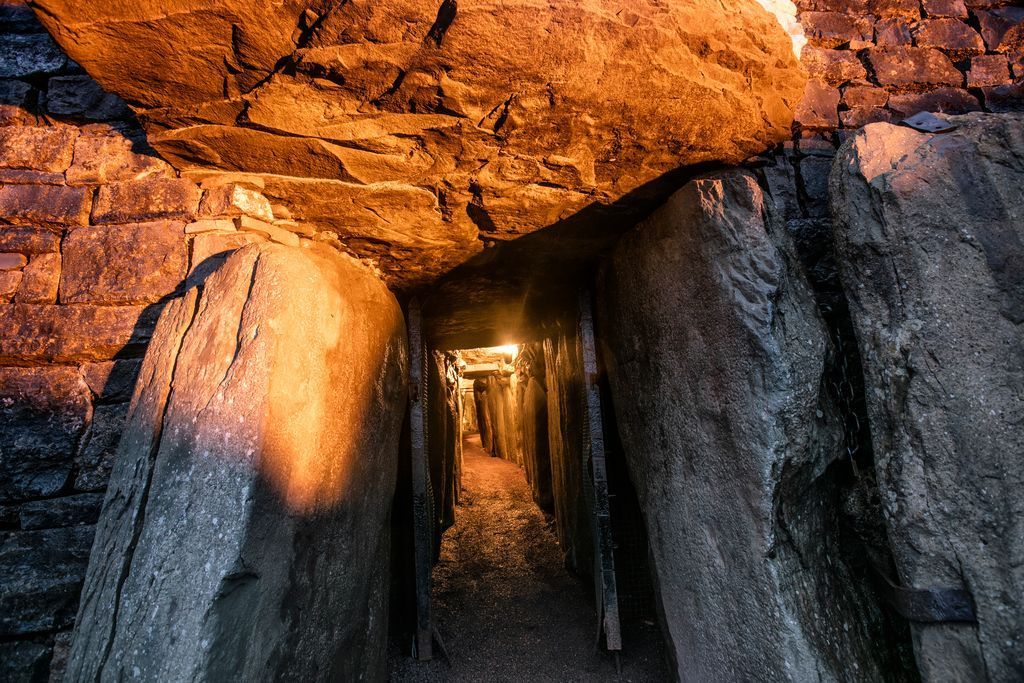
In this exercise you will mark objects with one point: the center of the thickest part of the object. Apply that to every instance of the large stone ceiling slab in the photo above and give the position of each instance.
(418, 131)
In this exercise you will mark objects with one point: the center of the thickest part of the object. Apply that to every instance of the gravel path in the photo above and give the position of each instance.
(504, 604)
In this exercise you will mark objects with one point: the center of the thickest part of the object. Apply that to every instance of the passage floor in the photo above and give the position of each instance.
(504, 604)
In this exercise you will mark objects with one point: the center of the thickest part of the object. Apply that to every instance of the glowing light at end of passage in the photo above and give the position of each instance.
(508, 350)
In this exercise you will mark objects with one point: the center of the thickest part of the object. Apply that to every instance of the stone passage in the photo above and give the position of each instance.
(506, 607)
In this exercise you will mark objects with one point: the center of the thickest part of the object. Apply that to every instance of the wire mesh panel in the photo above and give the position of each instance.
(595, 478)
(422, 497)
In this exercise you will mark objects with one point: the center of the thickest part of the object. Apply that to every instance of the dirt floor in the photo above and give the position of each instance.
(505, 606)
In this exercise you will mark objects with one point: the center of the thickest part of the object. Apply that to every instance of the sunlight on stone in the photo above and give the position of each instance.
(785, 14)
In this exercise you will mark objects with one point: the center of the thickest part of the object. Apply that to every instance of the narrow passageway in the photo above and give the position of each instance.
(505, 606)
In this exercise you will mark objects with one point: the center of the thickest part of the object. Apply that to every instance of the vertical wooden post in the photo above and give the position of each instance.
(421, 503)
(604, 579)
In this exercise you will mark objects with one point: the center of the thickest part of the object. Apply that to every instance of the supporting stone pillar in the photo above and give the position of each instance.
(715, 354)
(483, 415)
(929, 229)
(245, 533)
(534, 428)
(563, 364)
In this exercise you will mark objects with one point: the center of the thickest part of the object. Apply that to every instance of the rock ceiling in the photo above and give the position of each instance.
(419, 132)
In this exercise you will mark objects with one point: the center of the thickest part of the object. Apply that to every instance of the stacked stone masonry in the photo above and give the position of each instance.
(886, 60)
(96, 234)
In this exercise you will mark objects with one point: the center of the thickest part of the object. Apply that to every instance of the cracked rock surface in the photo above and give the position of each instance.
(929, 233)
(245, 533)
(417, 132)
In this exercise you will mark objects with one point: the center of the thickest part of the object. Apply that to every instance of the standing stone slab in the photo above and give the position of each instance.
(245, 532)
(563, 364)
(715, 356)
(930, 234)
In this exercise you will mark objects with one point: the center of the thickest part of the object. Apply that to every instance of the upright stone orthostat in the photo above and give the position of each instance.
(715, 356)
(245, 533)
(930, 239)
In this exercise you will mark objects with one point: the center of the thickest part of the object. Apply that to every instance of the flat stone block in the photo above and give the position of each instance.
(941, 100)
(952, 36)
(834, 67)
(858, 117)
(29, 55)
(146, 200)
(10, 280)
(37, 148)
(61, 334)
(1004, 98)
(818, 108)
(236, 200)
(45, 204)
(955, 9)
(114, 157)
(28, 240)
(54, 513)
(893, 33)
(913, 67)
(210, 225)
(111, 381)
(40, 280)
(864, 96)
(43, 413)
(102, 263)
(832, 29)
(987, 70)
(12, 261)
(906, 10)
(268, 230)
(43, 577)
(82, 97)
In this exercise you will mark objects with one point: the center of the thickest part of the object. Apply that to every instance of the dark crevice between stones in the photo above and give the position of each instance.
(445, 16)
(634, 575)
(847, 492)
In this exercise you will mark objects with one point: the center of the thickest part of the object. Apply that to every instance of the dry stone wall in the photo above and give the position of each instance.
(886, 60)
(77, 304)
(97, 234)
